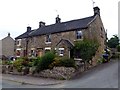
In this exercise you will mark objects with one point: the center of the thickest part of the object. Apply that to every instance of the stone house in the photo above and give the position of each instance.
(8, 46)
(61, 36)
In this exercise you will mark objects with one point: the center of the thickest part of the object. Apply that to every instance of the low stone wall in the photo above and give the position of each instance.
(57, 73)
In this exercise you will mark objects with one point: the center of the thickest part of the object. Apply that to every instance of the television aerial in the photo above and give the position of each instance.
(93, 2)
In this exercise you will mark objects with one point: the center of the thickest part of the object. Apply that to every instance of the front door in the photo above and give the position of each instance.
(40, 52)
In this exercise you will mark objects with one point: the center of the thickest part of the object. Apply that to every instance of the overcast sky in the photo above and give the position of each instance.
(16, 15)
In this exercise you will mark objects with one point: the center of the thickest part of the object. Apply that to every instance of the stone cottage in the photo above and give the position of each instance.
(8, 46)
(60, 36)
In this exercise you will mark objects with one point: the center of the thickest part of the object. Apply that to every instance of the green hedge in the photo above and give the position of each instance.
(45, 61)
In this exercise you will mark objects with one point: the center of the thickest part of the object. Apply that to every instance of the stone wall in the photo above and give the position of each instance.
(57, 73)
(95, 31)
(8, 46)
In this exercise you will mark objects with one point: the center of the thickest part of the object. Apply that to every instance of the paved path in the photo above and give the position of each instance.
(31, 80)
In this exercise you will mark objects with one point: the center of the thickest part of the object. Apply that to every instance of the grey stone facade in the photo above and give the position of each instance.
(36, 45)
(7, 46)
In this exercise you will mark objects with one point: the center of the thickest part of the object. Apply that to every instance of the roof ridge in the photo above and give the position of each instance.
(60, 27)
(69, 21)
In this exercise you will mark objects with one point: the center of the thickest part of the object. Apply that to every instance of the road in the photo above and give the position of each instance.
(102, 76)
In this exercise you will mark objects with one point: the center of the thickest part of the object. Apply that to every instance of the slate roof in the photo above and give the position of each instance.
(24, 35)
(69, 44)
(59, 27)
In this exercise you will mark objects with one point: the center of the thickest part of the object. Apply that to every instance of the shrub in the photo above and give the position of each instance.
(45, 61)
(9, 62)
(66, 62)
(101, 60)
(18, 64)
(85, 49)
(55, 62)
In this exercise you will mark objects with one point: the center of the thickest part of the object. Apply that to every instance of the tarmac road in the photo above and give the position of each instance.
(102, 76)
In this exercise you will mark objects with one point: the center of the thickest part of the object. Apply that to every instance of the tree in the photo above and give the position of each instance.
(85, 50)
(113, 42)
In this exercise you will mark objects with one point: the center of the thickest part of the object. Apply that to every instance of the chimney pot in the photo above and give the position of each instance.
(58, 20)
(96, 11)
(28, 28)
(8, 34)
(41, 24)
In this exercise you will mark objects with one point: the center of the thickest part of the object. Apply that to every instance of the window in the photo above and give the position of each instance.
(61, 51)
(18, 50)
(33, 52)
(79, 34)
(48, 39)
(18, 42)
(47, 49)
(101, 34)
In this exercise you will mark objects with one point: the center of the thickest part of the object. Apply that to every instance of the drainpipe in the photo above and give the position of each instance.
(26, 47)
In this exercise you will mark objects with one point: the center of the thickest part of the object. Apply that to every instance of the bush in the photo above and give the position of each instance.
(66, 62)
(101, 60)
(85, 49)
(18, 64)
(45, 61)
(56, 62)
(27, 62)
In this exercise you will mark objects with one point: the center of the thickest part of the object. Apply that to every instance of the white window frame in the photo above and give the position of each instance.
(18, 42)
(18, 49)
(47, 41)
(60, 49)
(79, 32)
(48, 48)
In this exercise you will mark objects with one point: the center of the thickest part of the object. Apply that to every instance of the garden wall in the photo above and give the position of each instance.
(57, 73)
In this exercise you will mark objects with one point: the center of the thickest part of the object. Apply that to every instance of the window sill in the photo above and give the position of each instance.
(17, 56)
(78, 40)
(61, 55)
(18, 45)
(47, 42)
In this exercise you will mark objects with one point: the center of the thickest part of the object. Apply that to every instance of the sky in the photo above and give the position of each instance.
(16, 15)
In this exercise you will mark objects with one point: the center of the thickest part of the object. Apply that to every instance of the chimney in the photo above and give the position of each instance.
(8, 34)
(28, 28)
(96, 11)
(58, 20)
(41, 24)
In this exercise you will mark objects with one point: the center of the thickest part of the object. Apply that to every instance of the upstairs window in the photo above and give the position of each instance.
(48, 38)
(18, 42)
(101, 34)
(79, 34)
